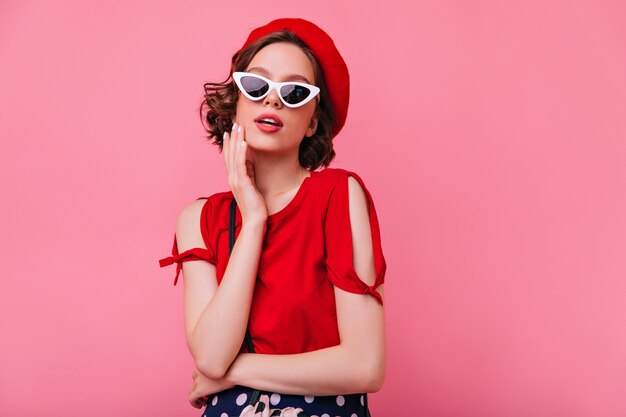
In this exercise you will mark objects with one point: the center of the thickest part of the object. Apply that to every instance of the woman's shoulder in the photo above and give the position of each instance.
(219, 197)
(206, 206)
(335, 174)
(218, 211)
(339, 177)
(212, 200)
(217, 202)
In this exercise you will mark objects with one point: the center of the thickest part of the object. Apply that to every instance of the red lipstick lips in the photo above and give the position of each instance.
(268, 123)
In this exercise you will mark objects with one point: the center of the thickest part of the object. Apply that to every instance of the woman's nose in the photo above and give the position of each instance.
(273, 99)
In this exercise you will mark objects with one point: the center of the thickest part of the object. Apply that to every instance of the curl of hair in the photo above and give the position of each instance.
(220, 104)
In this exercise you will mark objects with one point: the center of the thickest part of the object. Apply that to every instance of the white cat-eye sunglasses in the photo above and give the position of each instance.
(293, 94)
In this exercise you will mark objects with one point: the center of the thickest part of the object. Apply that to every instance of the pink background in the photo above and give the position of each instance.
(491, 135)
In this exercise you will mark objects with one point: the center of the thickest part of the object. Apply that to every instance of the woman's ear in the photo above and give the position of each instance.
(310, 131)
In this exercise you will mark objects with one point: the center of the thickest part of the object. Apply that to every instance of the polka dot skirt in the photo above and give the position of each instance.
(231, 402)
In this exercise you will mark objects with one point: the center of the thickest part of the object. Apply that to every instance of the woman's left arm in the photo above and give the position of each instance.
(357, 364)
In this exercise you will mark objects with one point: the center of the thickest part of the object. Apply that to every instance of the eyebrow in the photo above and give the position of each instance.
(289, 77)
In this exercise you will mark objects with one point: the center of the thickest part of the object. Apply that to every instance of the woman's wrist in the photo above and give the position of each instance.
(233, 374)
(256, 224)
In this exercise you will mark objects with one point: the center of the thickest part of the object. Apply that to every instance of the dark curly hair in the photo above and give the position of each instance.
(220, 103)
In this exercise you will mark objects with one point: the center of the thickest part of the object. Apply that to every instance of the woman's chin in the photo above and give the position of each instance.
(261, 144)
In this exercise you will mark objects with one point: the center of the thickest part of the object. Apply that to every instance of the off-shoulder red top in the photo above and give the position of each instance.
(306, 251)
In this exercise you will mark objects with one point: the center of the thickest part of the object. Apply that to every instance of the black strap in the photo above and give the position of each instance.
(231, 241)
(254, 398)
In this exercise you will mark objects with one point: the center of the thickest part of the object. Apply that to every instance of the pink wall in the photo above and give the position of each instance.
(492, 137)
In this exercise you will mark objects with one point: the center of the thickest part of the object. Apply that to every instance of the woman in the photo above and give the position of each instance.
(306, 271)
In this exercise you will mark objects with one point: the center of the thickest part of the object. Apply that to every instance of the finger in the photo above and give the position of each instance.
(193, 401)
(228, 138)
(267, 410)
(236, 148)
(228, 154)
(248, 411)
(239, 137)
(262, 407)
(241, 157)
(291, 412)
(233, 145)
(225, 142)
(202, 401)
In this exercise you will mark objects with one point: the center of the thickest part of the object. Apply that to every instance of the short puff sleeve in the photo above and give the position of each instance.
(193, 254)
(338, 241)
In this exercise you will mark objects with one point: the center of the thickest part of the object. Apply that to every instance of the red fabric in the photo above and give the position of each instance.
(193, 254)
(306, 251)
(330, 60)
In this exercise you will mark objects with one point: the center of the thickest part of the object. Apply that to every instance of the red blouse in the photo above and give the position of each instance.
(307, 249)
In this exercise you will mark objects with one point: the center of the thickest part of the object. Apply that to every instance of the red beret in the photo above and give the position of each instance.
(332, 64)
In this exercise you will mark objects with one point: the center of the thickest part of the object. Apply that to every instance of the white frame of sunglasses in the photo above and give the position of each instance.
(275, 86)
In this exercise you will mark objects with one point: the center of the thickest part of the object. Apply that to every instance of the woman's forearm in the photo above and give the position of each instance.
(218, 334)
(330, 371)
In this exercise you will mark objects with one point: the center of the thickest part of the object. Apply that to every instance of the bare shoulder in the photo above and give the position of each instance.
(356, 192)
(359, 210)
(361, 232)
(188, 234)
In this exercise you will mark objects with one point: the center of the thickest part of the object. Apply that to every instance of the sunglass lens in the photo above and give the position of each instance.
(254, 86)
(294, 94)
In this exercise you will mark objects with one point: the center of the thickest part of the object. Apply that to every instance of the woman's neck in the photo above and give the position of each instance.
(276, 176)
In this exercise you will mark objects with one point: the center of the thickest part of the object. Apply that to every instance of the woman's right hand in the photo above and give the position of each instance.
(203, 387)
(241, 178)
